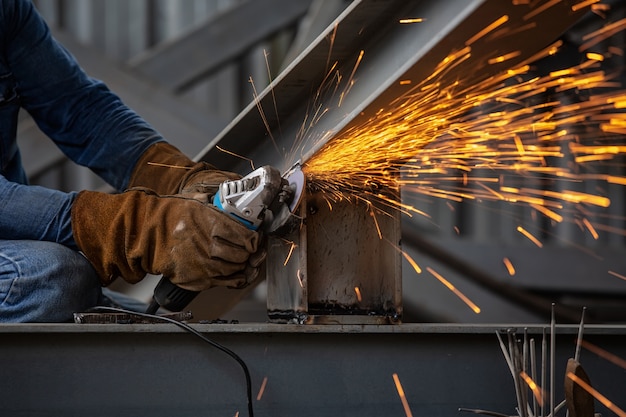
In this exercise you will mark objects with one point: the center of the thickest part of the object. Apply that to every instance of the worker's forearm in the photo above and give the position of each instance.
(35, 213)
(81, 115)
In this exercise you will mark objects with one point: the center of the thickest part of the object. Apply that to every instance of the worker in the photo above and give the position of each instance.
(58, 249)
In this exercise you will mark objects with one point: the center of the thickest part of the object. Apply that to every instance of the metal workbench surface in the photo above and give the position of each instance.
(158, 370)
(269, 328)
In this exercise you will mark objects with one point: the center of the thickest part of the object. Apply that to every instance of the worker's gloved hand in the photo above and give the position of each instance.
(202, 184)
(137, 232)
(167, 171)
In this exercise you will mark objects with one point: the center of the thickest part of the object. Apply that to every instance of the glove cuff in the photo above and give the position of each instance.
(99, 222)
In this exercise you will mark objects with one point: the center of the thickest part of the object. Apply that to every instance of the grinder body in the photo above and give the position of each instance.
(258, 201)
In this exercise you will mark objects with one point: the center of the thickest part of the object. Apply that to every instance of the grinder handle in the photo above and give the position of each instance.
(170, 296)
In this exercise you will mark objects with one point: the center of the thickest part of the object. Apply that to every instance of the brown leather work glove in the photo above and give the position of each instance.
(167, 171)
(137, 232)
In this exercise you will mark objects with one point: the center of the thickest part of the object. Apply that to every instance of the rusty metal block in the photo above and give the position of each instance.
(342, 266)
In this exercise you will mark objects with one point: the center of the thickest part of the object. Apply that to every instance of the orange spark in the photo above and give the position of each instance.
(219, 148)
(350, 81)
(357, 291)
(411, 20)
(452, 288)
(489, 28)
(158, 164)
(529, 236)
(601, 398)
(509, 266)
(373, 216)
(550, 50)
(262, 389)
(611, 179)
(598, 8)
(412, 262)
(405, 403)
(615, 274)
(581, 5)
(595, 57)
(504, 57)
(591, 229)
(262, 114)
(292, 246)
(519, 145)
(536, 389)
(548, 213)
(602, 34)
(616, 360)
(541, 9)
(439, 133)
(332, 38)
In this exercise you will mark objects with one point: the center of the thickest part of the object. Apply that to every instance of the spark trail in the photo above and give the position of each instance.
(516, 137)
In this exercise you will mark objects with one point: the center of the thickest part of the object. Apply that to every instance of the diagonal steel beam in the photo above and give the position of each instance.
(391, 52)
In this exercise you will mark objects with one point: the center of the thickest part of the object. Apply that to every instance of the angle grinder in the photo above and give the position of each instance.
(263, 200)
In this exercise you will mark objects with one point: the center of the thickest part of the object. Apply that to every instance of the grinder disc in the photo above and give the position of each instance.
(296, 180)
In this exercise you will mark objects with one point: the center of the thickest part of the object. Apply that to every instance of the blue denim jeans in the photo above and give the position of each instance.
(44, 282)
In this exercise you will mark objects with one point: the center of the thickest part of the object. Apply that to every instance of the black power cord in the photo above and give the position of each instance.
(196, 333)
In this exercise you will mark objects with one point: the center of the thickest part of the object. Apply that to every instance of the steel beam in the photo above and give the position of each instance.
(335, 268)
(157, 370)
(391, 52)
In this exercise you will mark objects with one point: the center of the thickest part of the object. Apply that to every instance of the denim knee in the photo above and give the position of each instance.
(44, 282)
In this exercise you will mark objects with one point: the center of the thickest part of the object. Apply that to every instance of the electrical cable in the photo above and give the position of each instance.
(201, 336)
(152, 308)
